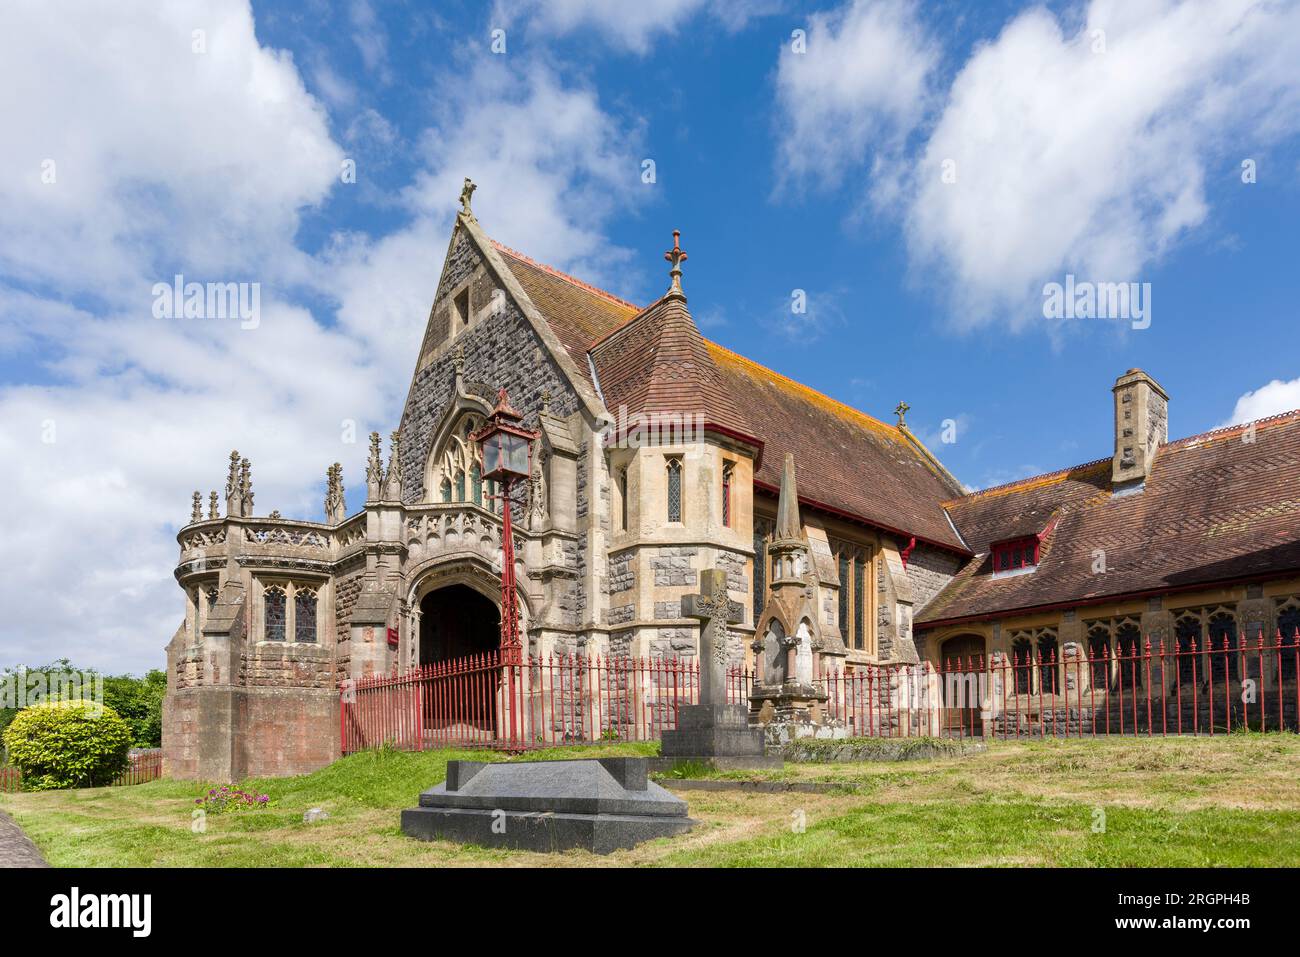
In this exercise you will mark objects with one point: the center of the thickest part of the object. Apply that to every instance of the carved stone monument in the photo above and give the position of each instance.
(714, 732)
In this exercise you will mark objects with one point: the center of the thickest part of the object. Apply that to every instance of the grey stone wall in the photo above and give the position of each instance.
(929, 569)
(500, 350)
(674, 565)
(621, 575)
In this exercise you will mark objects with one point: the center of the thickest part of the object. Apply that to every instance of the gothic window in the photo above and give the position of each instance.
(274, 612)
(762, 531)
(458, 466)
(854, 565)
(1223, 646)
(1288, 627)
(620, 485)
(674, 490)
(726, 494)
(1099, 645)
(1132, 664)
(1187, 629)
(1049, 665)
(1022, 663)
(304, 614)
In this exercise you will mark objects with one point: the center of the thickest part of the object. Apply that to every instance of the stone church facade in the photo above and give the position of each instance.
(661, 454)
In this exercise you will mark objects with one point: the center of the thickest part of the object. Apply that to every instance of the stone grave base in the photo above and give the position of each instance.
(718, 736)
(597, 804)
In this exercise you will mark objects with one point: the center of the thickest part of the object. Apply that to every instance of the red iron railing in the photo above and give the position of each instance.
(144, 766)
(556, 700)
(1128, 690)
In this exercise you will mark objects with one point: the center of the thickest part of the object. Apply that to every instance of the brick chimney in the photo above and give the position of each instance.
(1141, 427)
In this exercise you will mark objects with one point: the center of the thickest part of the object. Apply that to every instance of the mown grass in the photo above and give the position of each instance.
(1227, 801)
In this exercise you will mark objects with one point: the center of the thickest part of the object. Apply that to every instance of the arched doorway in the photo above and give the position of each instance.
(962, 663)
(458, 624)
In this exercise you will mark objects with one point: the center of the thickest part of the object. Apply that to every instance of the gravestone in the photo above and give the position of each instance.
(597, 804)
(714, 732)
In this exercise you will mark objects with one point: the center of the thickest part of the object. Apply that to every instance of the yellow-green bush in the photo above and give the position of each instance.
(68, 744)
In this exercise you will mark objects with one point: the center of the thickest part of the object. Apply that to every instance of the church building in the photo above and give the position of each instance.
(659, 455)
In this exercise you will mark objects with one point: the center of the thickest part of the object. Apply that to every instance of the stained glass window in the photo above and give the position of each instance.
(273, 600)
(460, 486)
(1128, 641)
(859, 604)
(726, 495)
(1223, 646)
(304, 614)
(1022, 653)
(674, 490)
(446, 490)
(1049, 664)
(476, 483)
(760, 570)
(845, 572)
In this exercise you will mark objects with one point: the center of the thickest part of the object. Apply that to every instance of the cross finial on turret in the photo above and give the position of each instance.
(466, 192)
(901, 412)
(676, 256)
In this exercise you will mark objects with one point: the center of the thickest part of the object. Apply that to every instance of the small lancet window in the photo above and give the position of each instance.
(274, 613)
(674, 490)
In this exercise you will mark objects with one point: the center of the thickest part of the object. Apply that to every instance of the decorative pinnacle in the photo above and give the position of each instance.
(466, 193)
(901, 411)
(213, 511)
(676, 256)
(196, 509)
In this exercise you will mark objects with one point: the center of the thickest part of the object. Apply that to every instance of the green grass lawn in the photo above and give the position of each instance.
(1227, 801)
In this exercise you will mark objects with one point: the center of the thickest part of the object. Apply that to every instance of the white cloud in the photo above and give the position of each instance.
(1277, 396)
(631, 25)
(1067, 159)
(858, 89)
(168, 161)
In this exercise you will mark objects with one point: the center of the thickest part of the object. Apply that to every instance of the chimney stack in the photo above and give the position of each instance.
(1141, 427)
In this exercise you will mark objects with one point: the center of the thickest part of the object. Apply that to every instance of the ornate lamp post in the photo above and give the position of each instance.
(507, 457)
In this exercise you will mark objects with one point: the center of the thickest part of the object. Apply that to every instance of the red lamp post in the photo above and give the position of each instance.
(507, 457)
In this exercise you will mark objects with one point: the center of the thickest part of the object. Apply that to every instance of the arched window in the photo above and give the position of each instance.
(457, 470)
(622, 500)
(1049, 665)
(274, 613)
(1099, 645)
(1288, 627)
(727, 469)
(1128, 643)
(1187, 630)
(1022, 663)
(1223, 646)
(304, 614)
(674, 490)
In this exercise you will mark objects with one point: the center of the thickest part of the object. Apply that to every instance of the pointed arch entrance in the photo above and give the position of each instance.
(455, 622)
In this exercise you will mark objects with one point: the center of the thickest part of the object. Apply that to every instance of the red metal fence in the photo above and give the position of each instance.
(144, 766)
(491, 701)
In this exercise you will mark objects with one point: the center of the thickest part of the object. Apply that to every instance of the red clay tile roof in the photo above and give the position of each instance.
(659, 363)
(1215, 508)
(848, 461)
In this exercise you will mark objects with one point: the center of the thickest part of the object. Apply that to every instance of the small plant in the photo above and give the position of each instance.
(610, 734)
(225, 798)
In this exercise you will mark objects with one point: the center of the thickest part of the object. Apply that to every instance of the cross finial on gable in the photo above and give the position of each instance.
(676, 256)
(466, 192)
(901, 411)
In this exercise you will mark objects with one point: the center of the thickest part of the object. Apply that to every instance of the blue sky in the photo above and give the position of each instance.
(1102, 139)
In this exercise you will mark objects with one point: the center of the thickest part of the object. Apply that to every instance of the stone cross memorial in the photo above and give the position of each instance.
(714, 732)
(715, 611)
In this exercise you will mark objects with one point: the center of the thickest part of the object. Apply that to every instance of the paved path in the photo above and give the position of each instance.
(15, 848)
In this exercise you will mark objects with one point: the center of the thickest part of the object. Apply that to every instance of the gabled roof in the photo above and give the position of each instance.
(849, 463)
(1215, 508)
(657, 363)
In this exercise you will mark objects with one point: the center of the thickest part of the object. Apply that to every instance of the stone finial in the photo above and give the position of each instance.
(466, 194)
(788, 526)
(901, 411)
(245, 487)
(374, 470)
(393, 477)
(676, 256)
(335, 503)
(275, 513)
(234, 504)
(213, 510)
(196, 507)
(546, 402)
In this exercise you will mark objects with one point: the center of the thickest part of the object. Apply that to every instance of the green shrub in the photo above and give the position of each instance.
(66, 744)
